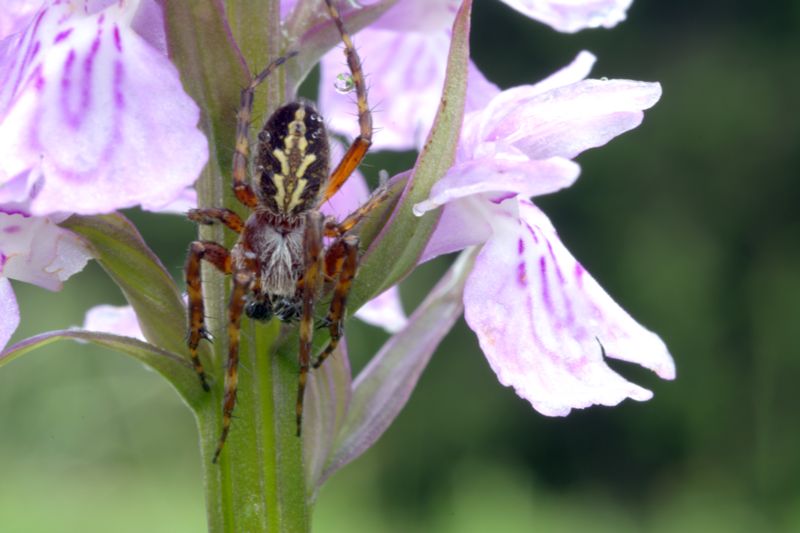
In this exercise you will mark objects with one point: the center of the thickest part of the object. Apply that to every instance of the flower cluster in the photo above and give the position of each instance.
(514, 145)
(93, 118)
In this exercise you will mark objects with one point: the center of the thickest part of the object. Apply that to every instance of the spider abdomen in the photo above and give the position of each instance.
(292, 161)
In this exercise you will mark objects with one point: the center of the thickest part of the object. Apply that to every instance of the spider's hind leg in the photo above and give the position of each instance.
(341, 263)
(309, 287)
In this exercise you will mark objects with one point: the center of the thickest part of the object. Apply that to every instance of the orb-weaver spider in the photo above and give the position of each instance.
(280, 262)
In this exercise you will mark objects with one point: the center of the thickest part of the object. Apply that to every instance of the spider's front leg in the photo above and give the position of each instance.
(218, 256)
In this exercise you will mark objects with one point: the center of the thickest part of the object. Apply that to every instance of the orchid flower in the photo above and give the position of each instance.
(82, 96)
(562, 323)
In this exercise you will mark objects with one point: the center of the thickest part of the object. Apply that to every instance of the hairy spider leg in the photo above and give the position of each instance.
(218, 256)
(311, 284)
(210, 215)
(358, 149)
(341, 264)
(241, 188)
(242, 280)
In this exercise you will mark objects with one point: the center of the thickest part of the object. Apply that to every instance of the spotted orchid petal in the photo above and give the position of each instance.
(570, 16)
(36, 250)
(119, 320)
(469, 190)
(93, 116)
(405, 53)
(553, 353)
(9, 311)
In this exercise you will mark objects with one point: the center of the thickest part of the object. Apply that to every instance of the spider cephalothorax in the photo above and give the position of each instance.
(280, 261)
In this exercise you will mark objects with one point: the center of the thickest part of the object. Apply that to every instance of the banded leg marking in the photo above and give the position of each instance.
(219, 257)
(355, 154)
(311, 282)
(211, 215)
(345, 262)
(241, 286)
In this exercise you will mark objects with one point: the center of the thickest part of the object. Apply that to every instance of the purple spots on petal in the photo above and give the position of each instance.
(502, 198)
(101, 18)
(520, 247)
(117, 38)
(62, 35)
(119, 78)
(532, 232)
(522, 274)
(579, 274)
(555, 262)
(3, 259)
(548, 302)
(12, 229)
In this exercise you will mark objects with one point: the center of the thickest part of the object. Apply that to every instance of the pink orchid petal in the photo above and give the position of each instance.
(549, 350)
(570, 16)
(16, 14)
(411, 64)
(37, 251)
(421, 16)
(98, 113)
(500, 174)
(570, 119)
(119, 320)
(9, 311)
(460, 225)
(187, 199)
(385, 311)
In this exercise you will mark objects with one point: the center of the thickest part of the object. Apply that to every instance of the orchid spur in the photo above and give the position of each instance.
(477, 165)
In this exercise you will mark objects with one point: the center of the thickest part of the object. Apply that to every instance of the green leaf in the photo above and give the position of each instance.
(382, 389)
(396, 250)
(119, 248)
(176, 369)
(326, 405)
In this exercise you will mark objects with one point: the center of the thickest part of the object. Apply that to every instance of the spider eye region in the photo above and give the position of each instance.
(292, 157)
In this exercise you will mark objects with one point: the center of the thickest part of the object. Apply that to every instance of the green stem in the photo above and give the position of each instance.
(258, 484)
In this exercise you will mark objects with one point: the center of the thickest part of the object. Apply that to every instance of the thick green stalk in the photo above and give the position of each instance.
(258, 484)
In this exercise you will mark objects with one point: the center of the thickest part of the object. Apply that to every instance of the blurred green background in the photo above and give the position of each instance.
(690, 222)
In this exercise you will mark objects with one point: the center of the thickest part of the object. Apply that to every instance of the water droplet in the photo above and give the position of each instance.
(603, 79)
(316, 118)
(316, 134)
(344, 83)
(264, 136)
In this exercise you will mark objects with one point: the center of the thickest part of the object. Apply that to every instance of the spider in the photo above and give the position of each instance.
(280, 262)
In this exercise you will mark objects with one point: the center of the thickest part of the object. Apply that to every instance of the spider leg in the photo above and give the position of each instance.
(241, 286)
(217, 214)
(337, 229)
(341, 263)
(355, 154)
(244, 193)
(311, 282)
(218, 256)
